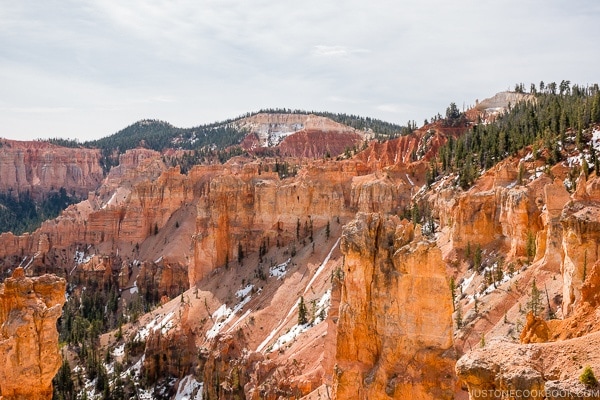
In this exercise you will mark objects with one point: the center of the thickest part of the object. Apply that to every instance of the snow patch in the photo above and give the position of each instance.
(134, 288)
(224, 315)
(322, 307)
(189, 389)
(279, 270)
(165, 325)
(244, 292)
(466, 283)
(322, 266)
(528, 157)
(111, 201)
(119, 351)
(596, 139)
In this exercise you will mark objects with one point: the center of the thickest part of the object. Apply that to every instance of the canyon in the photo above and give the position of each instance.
(304, 275)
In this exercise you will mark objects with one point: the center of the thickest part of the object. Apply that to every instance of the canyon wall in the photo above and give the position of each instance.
(394, 336)
(41, 167)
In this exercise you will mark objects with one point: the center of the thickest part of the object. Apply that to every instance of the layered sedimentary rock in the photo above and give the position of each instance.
(395, 318)
(581, 244)
(29, 354)
(40, 167)
(241, 208)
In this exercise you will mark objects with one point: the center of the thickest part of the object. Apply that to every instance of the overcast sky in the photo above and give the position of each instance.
(88, 68)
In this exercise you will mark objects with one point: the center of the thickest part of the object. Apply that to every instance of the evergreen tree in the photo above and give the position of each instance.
(302, 312)
(535, 301)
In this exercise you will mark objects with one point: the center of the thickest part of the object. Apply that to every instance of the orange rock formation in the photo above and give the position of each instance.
(29, 354)
(395, 324)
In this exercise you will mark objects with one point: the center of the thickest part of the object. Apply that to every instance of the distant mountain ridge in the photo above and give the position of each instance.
(160, 135)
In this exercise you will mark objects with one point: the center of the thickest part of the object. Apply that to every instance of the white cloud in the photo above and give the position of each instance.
(336, 51)
(91, 67)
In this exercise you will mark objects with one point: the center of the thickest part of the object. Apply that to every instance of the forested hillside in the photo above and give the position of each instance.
(551, 123)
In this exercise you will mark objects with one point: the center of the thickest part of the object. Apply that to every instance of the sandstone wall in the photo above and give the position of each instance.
(29, 354)
(40, 167)
(395, 317)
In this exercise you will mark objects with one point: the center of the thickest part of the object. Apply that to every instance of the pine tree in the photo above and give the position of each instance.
(327, 230)
(530, 247)
(535, 302)
(240, 252)
(302, 312)
(477, 258)
(453, 292)
(459, 317)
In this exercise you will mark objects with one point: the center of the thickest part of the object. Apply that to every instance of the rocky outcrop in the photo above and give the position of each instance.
(41, 167)
(535, 330)
(242, 208)
(503, 370)
(299, 135)
(29, 354)
(581, 244)
(500, 216)
(395, 319)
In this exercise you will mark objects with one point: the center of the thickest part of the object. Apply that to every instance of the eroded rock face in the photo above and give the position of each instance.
(500, 216)
(529, 371)
(395, 323)
(242, 208)
(29, 354)
(40, 167)
(581, 245)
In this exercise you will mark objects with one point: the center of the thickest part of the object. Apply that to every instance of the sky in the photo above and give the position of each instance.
(88, 68)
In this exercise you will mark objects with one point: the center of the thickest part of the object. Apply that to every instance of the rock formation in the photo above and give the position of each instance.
(395, 323)
(29, 354)
(41, 167)
(503, 369)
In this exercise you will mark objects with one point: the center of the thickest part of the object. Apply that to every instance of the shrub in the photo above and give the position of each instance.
(587, 377)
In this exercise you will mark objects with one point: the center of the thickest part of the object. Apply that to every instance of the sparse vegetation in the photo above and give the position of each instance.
(587, 377)
(302, 312)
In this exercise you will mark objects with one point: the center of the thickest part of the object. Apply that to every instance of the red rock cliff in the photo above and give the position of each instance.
(40, 167)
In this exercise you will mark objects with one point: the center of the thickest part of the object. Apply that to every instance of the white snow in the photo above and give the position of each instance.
(465, 284)
(240, 319)
(159, 259)
(574, 160)
(493, 287)
(29, 263)
(596, 139)
(224, 315)
(244, 292)
(274, 331)
(410, 180)
(110, 201)
(80, 257)
(119, 351)
(134, 288)
(322, 266)
(189, 389)
(568, 184)
(291, 335)
(279, 270)
(164, 325)
(293, 308)
(297, 330)
(528, 157)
